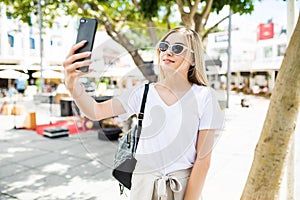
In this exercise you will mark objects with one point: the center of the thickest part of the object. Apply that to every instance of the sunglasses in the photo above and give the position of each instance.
(177, 49)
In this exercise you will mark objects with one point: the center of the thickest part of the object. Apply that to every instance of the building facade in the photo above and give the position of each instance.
(256, 55)
(20, 47)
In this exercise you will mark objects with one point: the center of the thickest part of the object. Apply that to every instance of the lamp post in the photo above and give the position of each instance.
(228, 82)
(41, 43)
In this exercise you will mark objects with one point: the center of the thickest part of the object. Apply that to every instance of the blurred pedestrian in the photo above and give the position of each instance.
(21, 85)
(12, 91)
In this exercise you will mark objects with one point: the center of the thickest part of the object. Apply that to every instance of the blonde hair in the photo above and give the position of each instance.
(196, 73)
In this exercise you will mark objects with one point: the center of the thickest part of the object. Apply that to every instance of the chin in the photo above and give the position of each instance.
(167, 68)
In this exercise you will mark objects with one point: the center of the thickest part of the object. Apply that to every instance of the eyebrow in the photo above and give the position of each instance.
(175, 43)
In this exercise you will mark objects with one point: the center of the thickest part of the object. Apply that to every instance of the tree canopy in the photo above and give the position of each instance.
(134, 13)
(145, 18)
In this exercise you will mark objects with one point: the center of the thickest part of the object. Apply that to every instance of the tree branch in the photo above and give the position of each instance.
(151, 32)
(185, 17)
(135, 3)
(206, 20)
(180, 6)
(166, 18)
(213, 27)
(204, 14)
(194, 8)
(207, 9)
(188, 2)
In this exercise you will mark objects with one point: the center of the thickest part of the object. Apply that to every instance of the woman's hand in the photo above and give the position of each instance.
(71, 65)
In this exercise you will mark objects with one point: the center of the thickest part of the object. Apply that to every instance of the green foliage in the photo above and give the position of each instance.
(26, 10)
(149, 8)
(237, 6)
(140, 38)
(121, 12)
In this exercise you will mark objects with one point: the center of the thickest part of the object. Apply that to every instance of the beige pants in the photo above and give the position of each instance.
(155, 186)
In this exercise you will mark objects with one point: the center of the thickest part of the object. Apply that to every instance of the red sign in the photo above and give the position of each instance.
(265, 31)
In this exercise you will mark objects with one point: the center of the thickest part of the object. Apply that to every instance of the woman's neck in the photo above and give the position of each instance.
(176, 81)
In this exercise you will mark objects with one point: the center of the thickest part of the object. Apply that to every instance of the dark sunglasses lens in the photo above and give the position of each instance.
(177, 49)
(163, 46)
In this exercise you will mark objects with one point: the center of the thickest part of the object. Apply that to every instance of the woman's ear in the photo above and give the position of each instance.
(193, 63)
(191, 59)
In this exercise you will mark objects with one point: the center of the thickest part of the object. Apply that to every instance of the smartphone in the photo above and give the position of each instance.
(86, 31)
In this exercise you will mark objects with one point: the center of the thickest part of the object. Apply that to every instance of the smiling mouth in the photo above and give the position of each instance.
(168, 61)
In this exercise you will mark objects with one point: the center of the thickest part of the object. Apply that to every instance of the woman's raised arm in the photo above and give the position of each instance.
(86, 104)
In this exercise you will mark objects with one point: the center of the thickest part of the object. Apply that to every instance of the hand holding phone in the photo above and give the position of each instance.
(86, 31)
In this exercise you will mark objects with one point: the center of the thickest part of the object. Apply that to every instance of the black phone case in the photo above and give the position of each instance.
(86, 31)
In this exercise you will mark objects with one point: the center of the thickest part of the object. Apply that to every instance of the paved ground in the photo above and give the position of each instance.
(78, 167)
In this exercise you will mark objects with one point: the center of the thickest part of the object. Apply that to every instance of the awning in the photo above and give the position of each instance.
(13, 74)
(48, 74)
(116, 72)
(31, 67)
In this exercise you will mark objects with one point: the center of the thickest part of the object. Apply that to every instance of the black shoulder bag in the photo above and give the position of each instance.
(124, 163)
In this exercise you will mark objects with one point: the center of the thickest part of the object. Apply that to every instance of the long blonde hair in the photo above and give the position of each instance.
(196, 73)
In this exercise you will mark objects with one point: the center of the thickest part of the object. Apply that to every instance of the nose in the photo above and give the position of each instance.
(169, 51)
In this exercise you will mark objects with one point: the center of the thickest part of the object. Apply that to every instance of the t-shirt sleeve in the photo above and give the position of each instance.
(131, 100)
(211, 115)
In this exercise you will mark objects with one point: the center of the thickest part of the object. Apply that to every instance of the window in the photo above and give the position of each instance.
(56, 41)
(281, 49)
(268, 52)
(10, 40)
(31, 43)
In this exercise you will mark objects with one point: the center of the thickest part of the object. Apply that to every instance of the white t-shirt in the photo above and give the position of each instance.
(169, 133)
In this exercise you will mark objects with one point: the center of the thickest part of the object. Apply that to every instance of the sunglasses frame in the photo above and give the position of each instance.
(171, 46)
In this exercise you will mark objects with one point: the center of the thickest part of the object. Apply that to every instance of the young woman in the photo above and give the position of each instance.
(180, 119)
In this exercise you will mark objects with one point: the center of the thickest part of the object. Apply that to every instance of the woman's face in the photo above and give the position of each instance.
(169, 61)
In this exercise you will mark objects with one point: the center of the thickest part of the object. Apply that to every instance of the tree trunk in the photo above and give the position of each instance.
(146, 69)
(266, 172)
(151, 31)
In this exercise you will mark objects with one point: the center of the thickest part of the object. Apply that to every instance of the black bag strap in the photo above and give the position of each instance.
(141, 114)
(141, 117)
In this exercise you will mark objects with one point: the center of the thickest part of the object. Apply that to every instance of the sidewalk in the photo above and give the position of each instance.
(33, 167)
(233, 154)
(78, 167)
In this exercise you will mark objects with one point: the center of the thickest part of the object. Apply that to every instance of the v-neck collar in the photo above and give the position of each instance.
(176, 102)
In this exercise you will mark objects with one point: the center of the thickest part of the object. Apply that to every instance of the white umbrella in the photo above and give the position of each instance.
(13, 74)
(116, 72)
(49, 74)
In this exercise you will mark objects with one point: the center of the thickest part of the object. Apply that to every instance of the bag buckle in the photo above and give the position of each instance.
(141, 116)
(128, 140)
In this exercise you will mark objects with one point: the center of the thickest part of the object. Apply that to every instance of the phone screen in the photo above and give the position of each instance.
(86, 31)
